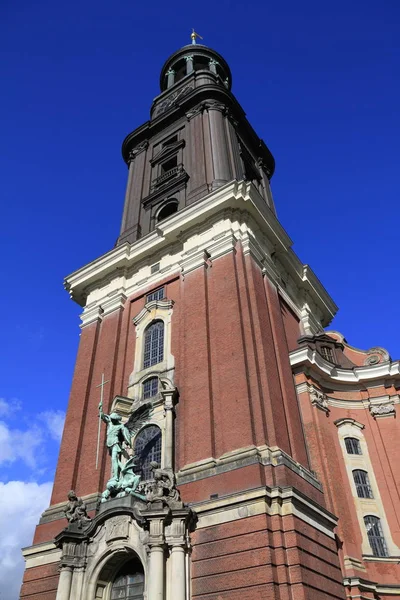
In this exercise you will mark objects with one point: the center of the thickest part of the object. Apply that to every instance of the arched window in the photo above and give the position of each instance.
(153, 344)
(353, 445)
(150, 388)
(147, 449)
(129, 582)
(169, 209)
(375, 536)
(363, 485)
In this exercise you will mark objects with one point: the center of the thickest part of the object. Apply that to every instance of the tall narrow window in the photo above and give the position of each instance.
(150, 388)
(148, 449)
(363, 485)
(153, 344)
(353, 446)
(129, 582)
(375, 536)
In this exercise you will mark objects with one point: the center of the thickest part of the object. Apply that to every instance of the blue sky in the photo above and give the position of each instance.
(319, 83)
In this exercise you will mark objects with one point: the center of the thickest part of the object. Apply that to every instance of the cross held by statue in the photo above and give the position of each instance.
(101, 386)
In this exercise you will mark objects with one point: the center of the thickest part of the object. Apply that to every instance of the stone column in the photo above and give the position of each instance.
(222, 169)
(176, 537)
(77, 583)
(155, 590)
(189, 64)
(64, 583)
(213, 66)
(170, 77)
(178, 572)
(155, 518)
(169, 397)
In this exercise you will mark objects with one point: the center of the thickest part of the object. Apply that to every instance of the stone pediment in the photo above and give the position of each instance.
(168, 151)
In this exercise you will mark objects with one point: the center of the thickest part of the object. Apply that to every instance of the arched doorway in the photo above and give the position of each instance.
(121, 577)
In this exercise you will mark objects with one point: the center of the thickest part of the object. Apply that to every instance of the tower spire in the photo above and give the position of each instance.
(195, 35)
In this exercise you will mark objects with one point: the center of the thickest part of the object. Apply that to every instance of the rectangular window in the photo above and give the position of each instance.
(327, 354)
(169, 165)
(353, 446)
(156, 295)
(375, 536)
(362, 483)
(170, 141)
(150, 388)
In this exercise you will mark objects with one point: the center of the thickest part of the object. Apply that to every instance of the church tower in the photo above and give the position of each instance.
(187, 328)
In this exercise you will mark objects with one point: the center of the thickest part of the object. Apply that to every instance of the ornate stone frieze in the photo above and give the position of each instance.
(319, 399)
(172, 100)
(382, 410)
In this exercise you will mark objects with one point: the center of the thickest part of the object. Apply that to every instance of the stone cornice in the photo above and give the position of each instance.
(236, 201)
(281, 501)
(306, 357)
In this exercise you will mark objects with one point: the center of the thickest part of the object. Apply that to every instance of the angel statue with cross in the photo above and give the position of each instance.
(119, 437)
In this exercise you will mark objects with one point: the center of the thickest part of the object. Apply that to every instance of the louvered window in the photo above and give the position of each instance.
(153, 344)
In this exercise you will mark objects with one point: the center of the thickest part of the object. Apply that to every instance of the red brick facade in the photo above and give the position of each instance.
(266, 399)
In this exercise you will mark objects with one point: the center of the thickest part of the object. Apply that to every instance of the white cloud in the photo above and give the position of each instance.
(20, 507)
(54, 419)
(9, 407)
(16, 444)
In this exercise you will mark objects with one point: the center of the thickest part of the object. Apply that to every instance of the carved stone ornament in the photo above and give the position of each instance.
(320, 400)
(163, 487)
(376, 355)
(117, 528)
(382, 410)
(73, 554)
(214, 105)
(75, 511)
(195, 111)
(133, 153)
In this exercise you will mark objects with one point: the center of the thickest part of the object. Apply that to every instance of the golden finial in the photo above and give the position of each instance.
(195, 35)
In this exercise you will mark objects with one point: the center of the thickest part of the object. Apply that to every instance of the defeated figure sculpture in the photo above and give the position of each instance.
(127, 483)
(75, 510)
(163, 487)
